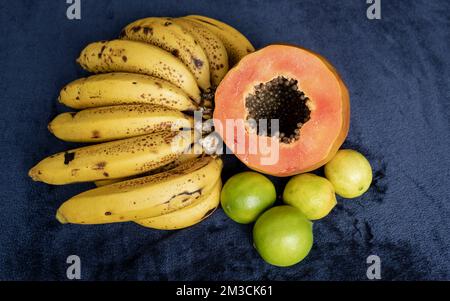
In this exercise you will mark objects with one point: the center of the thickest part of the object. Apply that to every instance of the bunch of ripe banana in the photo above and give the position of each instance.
(150, 168)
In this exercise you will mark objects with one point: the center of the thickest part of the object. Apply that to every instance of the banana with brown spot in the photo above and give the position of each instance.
(183, 158)
(213, 47)
(164, 33)
(116, 159)
(120, 88)
(138, 57)
(187, 216)
(144, 197)
(117, 122)
(236, 43)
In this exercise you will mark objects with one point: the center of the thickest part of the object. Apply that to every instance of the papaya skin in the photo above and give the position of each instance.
(327, 150)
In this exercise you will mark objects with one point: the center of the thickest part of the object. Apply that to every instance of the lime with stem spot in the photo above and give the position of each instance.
(313, 195)
(350, 173)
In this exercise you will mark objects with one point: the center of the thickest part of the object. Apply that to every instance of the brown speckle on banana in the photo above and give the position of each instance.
(118, 122)
(124, 88)
(181, 159)
(213, 47)
(145, 197)
(121, 158)
(141, 58)
(198, 210)
(236, 43)
(174, 39)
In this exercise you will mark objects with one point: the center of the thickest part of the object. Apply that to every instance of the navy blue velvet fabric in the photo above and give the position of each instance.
(397, 70)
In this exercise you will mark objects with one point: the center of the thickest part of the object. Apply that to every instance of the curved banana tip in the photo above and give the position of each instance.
(49, 127)
(61, 218)
(34, 174)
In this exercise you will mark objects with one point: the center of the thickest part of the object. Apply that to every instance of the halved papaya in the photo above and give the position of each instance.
(295, 86)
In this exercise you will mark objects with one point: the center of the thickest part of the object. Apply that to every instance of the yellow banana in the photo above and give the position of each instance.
(117, 122)
(138, 57)
(101, 183)
(143, 197)
(183, 158)
(124, 88)
(164, 33)
(187, 216)
(114, 159)
(213, 47)
(236, 43)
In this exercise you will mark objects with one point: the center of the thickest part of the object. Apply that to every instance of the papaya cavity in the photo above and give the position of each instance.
(279, 99)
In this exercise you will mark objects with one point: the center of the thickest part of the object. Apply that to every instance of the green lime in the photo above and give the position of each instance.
(350, 173)
(313, 195)
(283, 236)
(245, 195)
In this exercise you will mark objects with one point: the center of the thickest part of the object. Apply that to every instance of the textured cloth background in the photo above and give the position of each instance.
(397, 70)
